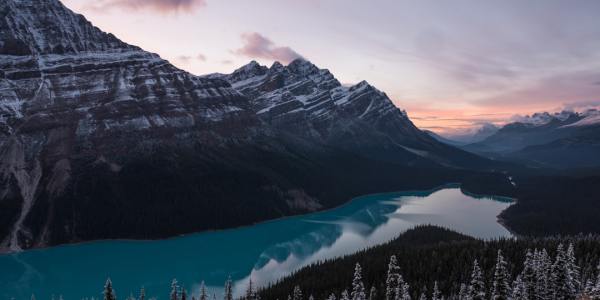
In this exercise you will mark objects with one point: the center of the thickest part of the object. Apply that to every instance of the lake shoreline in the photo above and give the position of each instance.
(8, 252)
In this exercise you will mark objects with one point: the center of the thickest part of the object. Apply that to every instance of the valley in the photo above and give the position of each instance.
(275, 176)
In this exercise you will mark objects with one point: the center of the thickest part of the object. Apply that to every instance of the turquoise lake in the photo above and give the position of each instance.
(265, 252)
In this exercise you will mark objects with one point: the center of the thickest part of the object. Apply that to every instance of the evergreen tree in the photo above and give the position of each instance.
(543, 287)
(373, 293)
(331, 297)
(519, 290)
(297, 295)
(463, 293)
(391, 283)
(183, 294)
(203, 295)
(142, 294)
(358, 288)
(595, 293)
(436, 295)
(228, 291)
(174, 290)
(500, 285)
(528, 275)
(573, 269)
(311, 297)
(109, 293)
(250, 293)
(405, 291)
(561, 281)
(345, 295)
(589, 288)
(477, 286)
(423, 296)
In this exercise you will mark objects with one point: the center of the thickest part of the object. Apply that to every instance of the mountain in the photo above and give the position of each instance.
(473, 136)
(565, 139)
(444, 140)
(100, 139)
(307, 101)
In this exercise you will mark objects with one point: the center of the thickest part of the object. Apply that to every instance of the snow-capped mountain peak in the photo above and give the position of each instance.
(302, 87)
(543, 118)
(303, 97)
(590, 117)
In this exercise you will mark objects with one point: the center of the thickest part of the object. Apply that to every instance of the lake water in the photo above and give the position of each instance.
(266, 251)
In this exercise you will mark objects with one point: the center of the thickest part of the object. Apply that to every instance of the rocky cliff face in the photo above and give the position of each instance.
(100, 139)
(69, 90)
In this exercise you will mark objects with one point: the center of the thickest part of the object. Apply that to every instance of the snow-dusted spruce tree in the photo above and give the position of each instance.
(543, 265)
(519, 290)
(501, 283)
(391, 283)
(595, 290)
(560, 279)
(183, 294)
(358, 288)
(109, 293)
(405, 291)
(528, 275)
(203, 295)
(228, 291)
(297, 294)
(311, 297)
(331, 297)
(142, 294)
(476, 289)
(463, 292)
(344, 295)
(573, 270)
(423, 296)
(373, 293)
(174, 295)
(588, 288)
(436, 295)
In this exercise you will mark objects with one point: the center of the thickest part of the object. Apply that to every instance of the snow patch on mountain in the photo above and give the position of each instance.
(590, 118)
(543, 118)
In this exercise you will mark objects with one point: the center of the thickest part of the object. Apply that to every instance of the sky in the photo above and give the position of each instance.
(452, 65)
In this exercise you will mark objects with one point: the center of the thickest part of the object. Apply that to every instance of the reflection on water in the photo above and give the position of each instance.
(265, 252)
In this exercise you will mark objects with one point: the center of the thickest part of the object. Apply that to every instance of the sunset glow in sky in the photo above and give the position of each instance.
(451, 65)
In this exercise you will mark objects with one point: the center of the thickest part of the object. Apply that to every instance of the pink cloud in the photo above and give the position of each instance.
(161, 6)
(259, 46)
(201, 57)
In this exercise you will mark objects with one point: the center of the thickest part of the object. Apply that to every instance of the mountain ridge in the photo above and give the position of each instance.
(560, 140)
(308, 101)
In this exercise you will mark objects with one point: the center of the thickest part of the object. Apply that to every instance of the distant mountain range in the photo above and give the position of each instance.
(473, 136)
(560, 140)
(101, 139)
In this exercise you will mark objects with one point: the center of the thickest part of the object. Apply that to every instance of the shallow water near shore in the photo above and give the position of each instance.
(265, 251)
